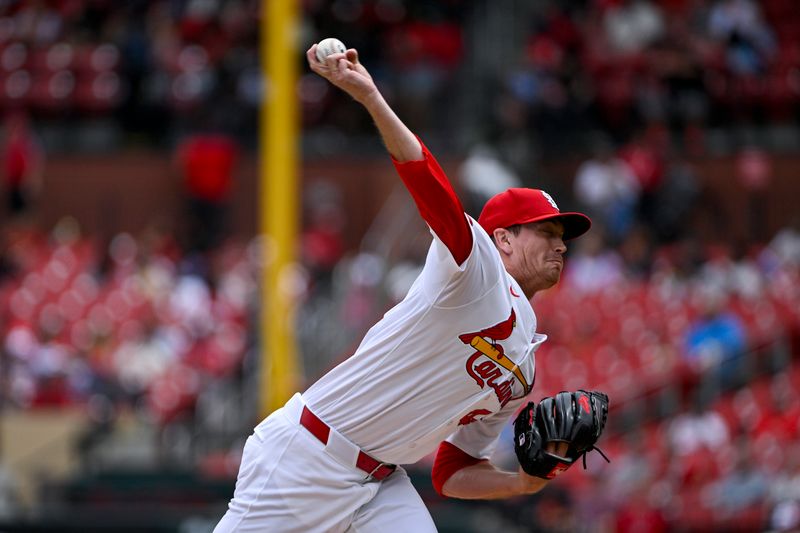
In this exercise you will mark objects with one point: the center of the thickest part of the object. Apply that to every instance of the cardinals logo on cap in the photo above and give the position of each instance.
(550, 199)
(520, 205)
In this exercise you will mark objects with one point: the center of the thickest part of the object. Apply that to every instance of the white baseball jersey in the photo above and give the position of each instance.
(452, 361)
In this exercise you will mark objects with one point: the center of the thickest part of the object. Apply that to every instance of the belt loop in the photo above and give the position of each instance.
(371, 475)
(340, 447)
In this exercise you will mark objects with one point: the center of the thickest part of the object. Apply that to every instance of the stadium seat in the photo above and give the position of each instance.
(15, 89)
(98, 93)
(52, 93)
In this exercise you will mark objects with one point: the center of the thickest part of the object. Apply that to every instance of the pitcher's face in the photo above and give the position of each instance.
(537, 255)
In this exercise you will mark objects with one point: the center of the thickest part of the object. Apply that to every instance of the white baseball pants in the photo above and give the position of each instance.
(291, 482)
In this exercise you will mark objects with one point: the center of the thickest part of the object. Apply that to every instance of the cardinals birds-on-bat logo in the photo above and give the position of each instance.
(487, 372)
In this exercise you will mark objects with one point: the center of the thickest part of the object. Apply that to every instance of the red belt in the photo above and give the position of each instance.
(320, 429)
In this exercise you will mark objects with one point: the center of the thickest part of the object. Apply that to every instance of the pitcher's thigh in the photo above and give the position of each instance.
(396, 508)
(287, 483)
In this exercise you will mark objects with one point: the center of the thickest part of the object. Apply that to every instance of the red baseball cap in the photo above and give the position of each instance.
(522, 205)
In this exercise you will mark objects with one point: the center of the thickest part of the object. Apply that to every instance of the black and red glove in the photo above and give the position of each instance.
(576, 418)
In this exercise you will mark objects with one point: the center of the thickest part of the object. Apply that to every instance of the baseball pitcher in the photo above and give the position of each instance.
(442, 371)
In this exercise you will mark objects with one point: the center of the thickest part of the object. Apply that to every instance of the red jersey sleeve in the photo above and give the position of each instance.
(437, 203)
(449, 459)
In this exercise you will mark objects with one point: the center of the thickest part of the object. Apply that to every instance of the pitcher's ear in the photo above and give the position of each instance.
(502, 239)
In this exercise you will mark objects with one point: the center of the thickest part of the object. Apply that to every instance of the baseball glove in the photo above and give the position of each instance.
(577, 418)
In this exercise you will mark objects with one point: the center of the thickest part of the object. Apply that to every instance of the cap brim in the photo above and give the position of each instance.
(575, 224)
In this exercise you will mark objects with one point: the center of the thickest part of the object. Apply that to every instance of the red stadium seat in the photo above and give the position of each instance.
(98, 93)
(95, 58)
(15, 89)
(14, 56)
(53, 92)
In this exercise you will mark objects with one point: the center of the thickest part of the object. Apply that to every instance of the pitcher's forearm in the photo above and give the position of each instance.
(484, 481)
(399, 140)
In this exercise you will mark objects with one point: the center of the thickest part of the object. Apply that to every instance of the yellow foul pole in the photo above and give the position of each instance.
(278, 190)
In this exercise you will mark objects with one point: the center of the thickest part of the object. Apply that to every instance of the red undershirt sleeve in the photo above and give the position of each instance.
(437, 203)
(449, 459)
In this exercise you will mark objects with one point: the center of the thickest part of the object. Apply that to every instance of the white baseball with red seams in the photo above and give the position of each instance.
(329, 46)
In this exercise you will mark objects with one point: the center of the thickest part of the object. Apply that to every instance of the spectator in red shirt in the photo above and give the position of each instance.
(647, 166)
(22, 164)
(207, 164)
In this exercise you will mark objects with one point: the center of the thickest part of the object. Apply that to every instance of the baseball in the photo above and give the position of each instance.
(329, 46)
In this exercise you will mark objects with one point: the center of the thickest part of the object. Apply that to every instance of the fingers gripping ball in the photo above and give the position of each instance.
(329, 46)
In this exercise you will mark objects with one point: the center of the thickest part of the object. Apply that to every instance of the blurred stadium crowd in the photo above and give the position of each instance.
(696, 338)
(98, 75)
